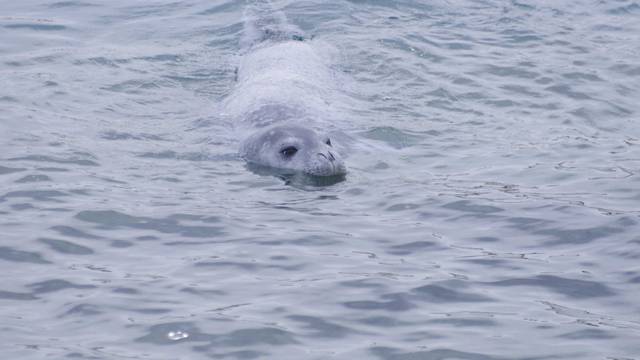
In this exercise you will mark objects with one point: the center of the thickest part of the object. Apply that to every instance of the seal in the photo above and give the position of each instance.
(281, 93)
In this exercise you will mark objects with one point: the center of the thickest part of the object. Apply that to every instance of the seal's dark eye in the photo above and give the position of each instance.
(328, 142)
(289, 151)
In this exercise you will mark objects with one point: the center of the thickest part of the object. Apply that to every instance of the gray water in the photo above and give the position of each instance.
(490, 211)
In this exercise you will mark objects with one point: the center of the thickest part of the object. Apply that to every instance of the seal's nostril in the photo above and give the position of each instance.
(329, 156)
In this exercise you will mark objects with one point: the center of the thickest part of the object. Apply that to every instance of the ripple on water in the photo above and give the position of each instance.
(37, 26)
(445, 294)
(413, 247)
(8, 170)
(36, 195)
(73, 232)
(119, 135)
(158, 334)
(388, 353)
(33, 178)
(110, 219)
(55, 285)
(8, 253)
(573, 288)
(393, 137)
(9, 295)
(70, 4)
(66, 247)
(58, 160)
(388, 302)
(578, 236)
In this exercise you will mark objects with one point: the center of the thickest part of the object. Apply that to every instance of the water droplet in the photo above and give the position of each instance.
(177, 335)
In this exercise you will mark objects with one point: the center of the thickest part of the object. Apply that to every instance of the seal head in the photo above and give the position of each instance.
(294, 149)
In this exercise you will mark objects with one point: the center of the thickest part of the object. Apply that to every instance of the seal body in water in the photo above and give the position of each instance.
(282, 91)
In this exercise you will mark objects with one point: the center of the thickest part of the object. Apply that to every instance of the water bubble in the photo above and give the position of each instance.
(177, 335)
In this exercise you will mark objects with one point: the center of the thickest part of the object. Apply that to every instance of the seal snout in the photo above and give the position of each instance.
(330, 164)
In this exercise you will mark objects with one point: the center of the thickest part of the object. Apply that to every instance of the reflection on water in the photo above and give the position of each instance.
(490, 210)
(296, 179)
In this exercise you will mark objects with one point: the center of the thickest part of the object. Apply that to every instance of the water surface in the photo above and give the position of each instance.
(491, 209)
